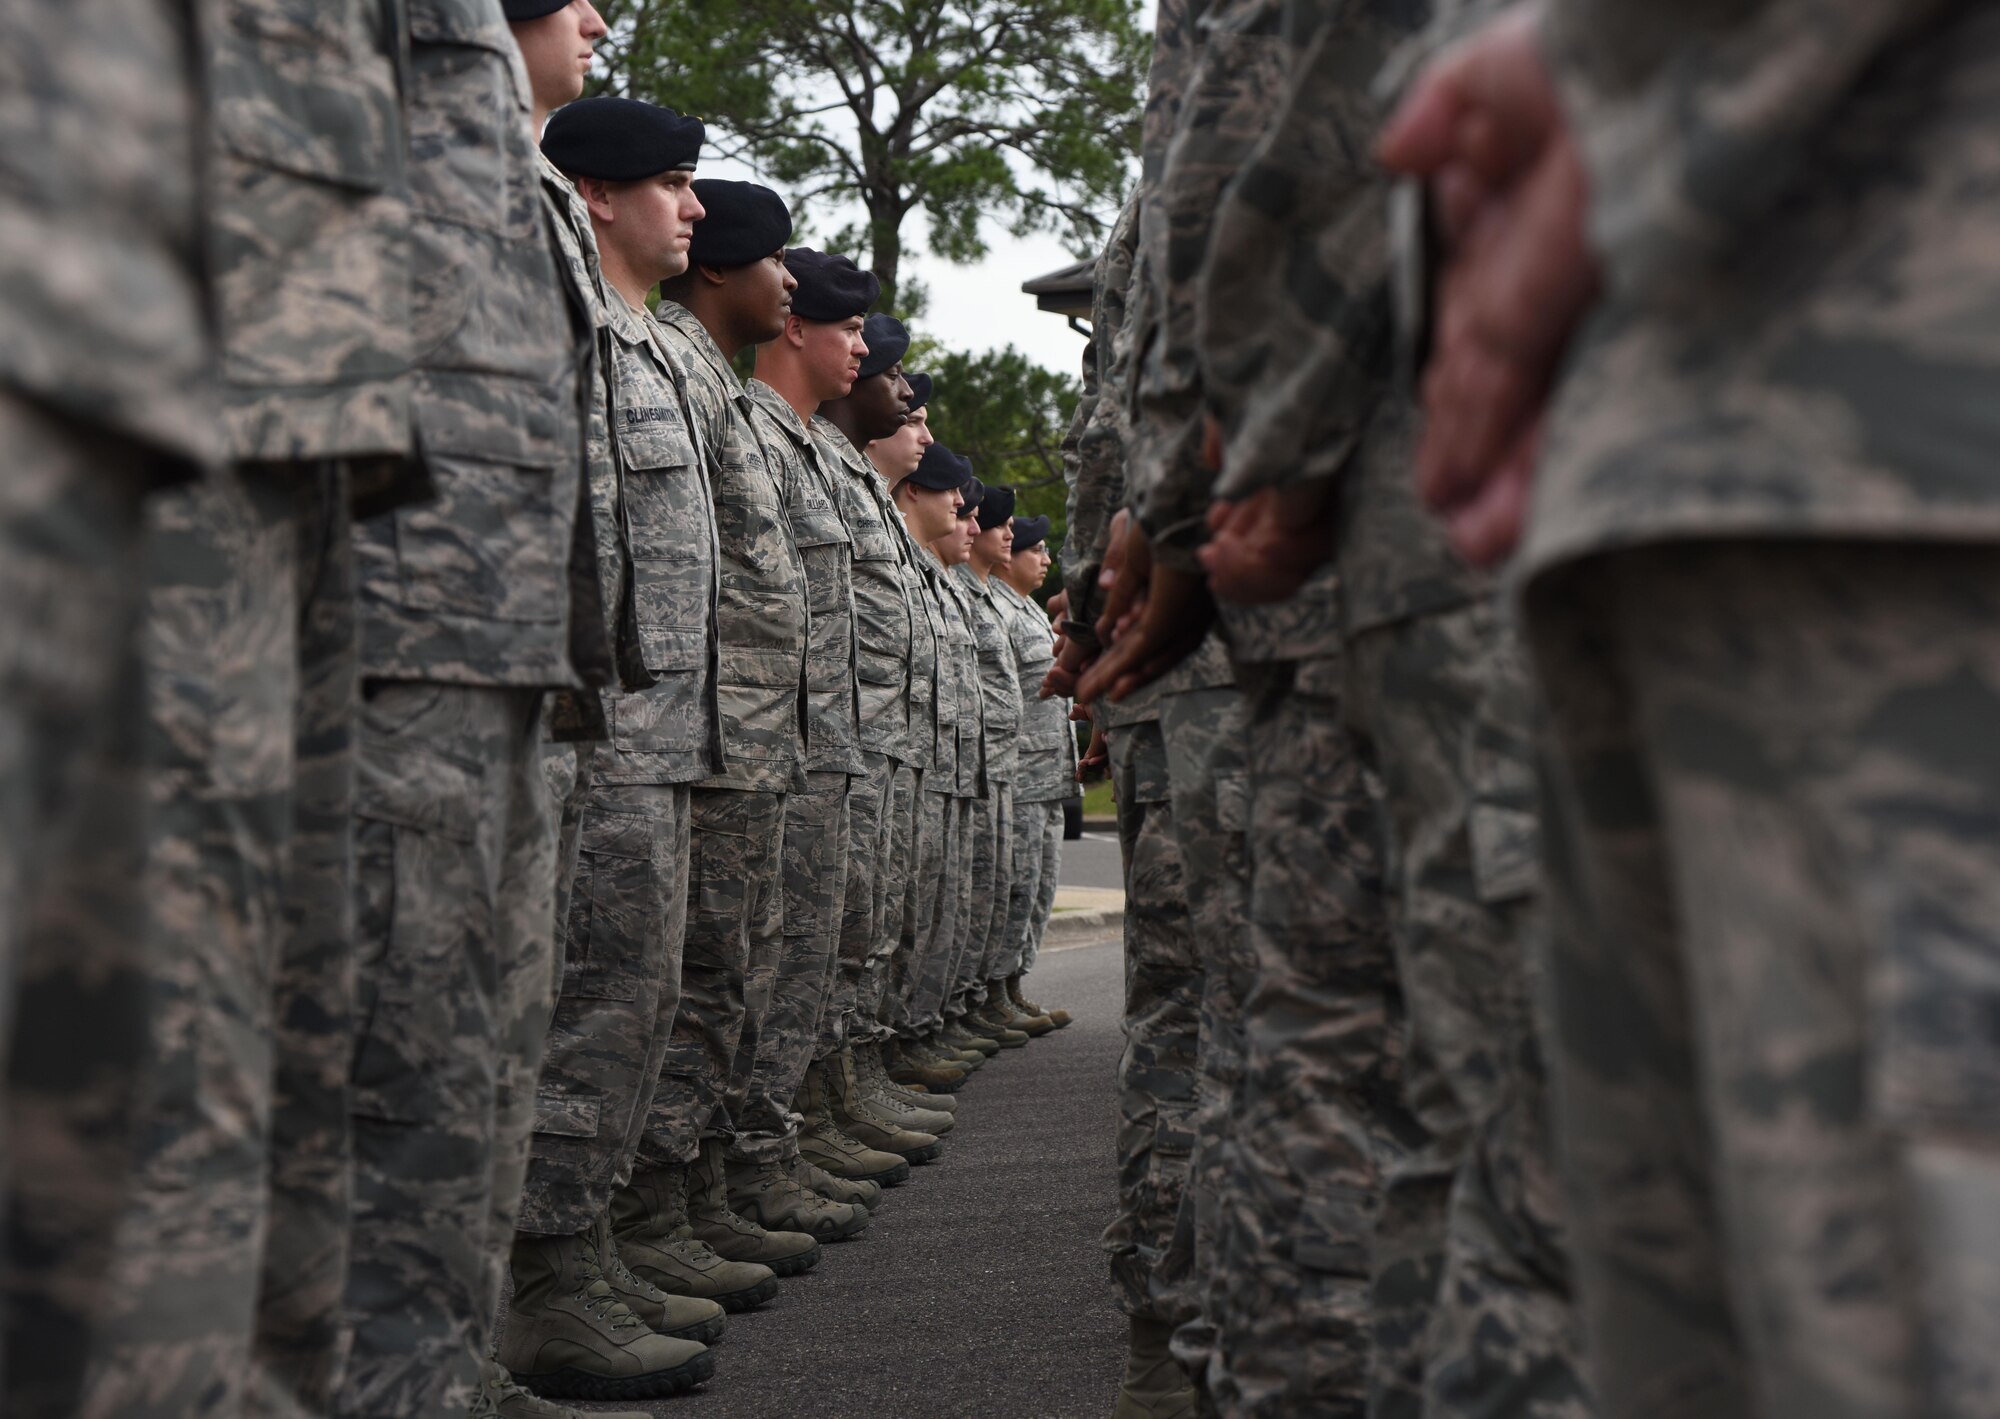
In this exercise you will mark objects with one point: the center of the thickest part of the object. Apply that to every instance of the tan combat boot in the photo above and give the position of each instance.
(657, 1244)
(985, 1020)
(873, 1071)
(768, 1195)
(1155, 1387)
(915, 1072)
(1058, 1018)
(683, 1317)
(877, 1123)
(502, 1397)
(858, 1191)
(736, 1236)
(957, 1034)
(824, 1144)
(568, 1336)
(1008, 1013)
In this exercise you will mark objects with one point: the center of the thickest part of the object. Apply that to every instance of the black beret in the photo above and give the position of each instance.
(831, 288)
(941, 470)
(744, 223)
(621, 140)
(995, 508)
(1030, 532)
(920, 390)
(887, 343)
(532, 9)
(975, 493)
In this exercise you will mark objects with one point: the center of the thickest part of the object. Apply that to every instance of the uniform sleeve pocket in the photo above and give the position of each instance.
(1332, 1231)
(611, 906)
(566, 1116)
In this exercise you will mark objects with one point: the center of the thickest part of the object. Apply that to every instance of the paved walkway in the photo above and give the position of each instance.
(978, 1292)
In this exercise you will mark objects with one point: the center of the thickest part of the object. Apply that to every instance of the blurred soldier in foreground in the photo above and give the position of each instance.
(1762, 618)
(105, 394)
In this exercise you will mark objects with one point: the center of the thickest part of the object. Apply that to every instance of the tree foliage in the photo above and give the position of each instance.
(1020, 111)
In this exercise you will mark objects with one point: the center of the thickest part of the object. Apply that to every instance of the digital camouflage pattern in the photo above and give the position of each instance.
(103, 287)
(893, 923)
(826, 548)
(454, 860)
(761, 613)
(621, 939)
(812, 883)
(1039, 832)
(106, 390)
(863, 898)
(668, 730)
(961, 654)
(1203, 733)
(925, 887)
(734, 919)
(1094, 450)
(1840, 410)
(1216, 82)
(1045, 743)
(1156, 1074)
(882, 610)
(998, 679)
(1321, 1114)
(239, 1209)
(1765, 865)
(472, 585)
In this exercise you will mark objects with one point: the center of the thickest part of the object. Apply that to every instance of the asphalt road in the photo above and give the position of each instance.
(1091, 861)
(978, 1291)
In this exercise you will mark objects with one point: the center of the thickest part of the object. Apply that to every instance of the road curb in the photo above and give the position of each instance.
(1077, 927)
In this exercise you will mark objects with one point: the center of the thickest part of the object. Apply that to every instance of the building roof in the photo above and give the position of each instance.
(1065, 292)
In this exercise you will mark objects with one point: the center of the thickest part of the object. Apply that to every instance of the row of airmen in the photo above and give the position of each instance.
(495, 803)
(1570, 994)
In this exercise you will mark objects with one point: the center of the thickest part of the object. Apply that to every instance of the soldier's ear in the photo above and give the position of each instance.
(596, 193)
(795, 332)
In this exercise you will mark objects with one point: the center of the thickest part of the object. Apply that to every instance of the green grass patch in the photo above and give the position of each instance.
(1098, 802)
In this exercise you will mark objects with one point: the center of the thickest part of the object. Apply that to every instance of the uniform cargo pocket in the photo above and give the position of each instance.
(566, 1116)
(756, 545)
(470, 155)
(302, 87)
(614, 906)
(430, 972)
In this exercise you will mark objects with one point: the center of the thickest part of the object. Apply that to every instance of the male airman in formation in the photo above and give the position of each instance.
(532, 722)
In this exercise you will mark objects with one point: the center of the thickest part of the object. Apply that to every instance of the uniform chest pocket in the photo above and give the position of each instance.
(873, 544)
(756, 545)
(470, 150)
(817, 524)
(305, 87)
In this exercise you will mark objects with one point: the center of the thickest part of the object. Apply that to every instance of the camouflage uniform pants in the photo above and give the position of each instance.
(871, 824)
(995, 886)
(566, 769)
(811, 873)
(898, 924)
(621, 975)
(1321, 1112)
(225, 1292)
(73, 994)
(1441, 704)
(1770, 831)
(929, 995)
(1046, 868)
(922, 896)
(733, 913)
(455, 863)
(978, 819)
(1156, 1074)
(1208, 780)
(1024, 866)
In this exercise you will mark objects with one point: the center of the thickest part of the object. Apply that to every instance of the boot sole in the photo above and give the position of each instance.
(702, 1332)
(887, 1178)
(796, 1265)
(927, 1153)
(662, 1384)
(832, 1232)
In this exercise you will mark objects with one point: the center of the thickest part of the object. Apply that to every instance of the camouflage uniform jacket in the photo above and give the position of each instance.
(1795, 210)
(103, 306)
(999, 683)
(881, 594)
(311, 201)
(1234, 79)
(1044, 772)
(670, 731)
(959, 658)
(1094, 450)
(827, 551)
(761, 618)
(473, 586)
(580, 714)
(1302, 389)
